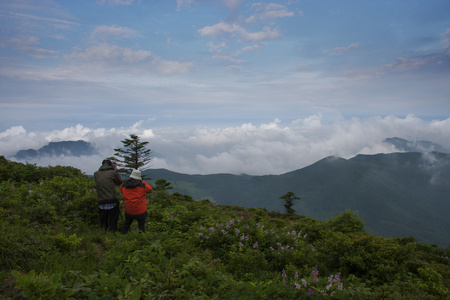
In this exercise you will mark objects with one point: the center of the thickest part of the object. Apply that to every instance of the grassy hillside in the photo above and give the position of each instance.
(52, 248)
(397, 194)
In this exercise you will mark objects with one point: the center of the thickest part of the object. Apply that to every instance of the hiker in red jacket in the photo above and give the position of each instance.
(134, 191)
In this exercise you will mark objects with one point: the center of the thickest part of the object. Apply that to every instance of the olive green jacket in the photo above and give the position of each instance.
(106, 179)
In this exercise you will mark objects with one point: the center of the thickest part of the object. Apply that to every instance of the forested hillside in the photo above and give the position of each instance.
(51, 247)
(397, 195)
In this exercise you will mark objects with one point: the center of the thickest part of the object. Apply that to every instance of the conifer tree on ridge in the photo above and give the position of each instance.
(133, 154)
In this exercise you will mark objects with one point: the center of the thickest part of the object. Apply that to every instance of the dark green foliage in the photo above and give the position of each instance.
(289, 199)
(133, 154)
(30, 173)
(52, 248)
(347, 222)
(162, 185)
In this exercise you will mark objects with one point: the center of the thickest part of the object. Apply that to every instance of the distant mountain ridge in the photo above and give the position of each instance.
(397, 194)
(70, 148)
(415, 146)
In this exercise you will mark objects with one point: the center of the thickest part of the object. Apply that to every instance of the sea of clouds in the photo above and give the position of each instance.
(254, 149)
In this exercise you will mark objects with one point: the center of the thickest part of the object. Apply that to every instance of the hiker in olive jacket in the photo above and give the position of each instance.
(106, 179)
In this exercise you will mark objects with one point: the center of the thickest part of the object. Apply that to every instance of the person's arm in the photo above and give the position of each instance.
(148, 187)
(117, 179)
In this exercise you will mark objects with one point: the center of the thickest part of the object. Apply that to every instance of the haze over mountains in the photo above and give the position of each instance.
(80, 147)
(397, 194)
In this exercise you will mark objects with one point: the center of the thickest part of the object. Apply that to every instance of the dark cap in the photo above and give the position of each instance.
(107, 161)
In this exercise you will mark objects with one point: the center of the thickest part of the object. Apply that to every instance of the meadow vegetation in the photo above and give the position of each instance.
(51, 247)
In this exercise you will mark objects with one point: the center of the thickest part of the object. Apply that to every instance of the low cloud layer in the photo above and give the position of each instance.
(255, 149)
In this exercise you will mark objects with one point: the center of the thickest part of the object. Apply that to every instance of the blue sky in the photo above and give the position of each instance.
(180, 72)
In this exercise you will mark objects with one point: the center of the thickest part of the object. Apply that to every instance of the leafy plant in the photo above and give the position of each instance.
(52, 248)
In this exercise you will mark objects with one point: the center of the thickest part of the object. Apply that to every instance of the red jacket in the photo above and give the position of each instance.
(134, 192)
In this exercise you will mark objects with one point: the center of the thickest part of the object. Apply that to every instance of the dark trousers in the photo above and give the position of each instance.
(109, 218)
(129, 219)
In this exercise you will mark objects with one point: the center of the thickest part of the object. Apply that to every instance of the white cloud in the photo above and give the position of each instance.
(13, 131)
(254, 48)
(115, 2)
(111, 53)
(110, 32)
(342, 50)
(106, 57)
(28, 45)
(269, 11)
(222, 28)
(174, 67)
(231, 4)
(270, 148)
(181, 3)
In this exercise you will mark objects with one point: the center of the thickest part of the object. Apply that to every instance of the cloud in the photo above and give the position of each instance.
(342, 50)
(270, 148)
(222, 28)
(13, 131)
(111, 53)
(231, 4)
(433, 62)
(253, 48)
(113, 32)
(115, 2)
(219, 54)
(105, 57)
(174, 67)
(112, 56)
(269, 11)
(446, 39)
(27, 44)
(56, 22)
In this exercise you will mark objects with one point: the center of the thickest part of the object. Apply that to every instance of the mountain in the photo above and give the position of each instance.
(415, 146)
(71, 148)
(397, 194)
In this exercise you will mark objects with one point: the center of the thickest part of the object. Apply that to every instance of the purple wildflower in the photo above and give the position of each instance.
(315, 273)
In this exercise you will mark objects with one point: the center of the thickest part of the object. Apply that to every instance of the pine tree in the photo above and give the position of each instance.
(133, 154)
(289, 199)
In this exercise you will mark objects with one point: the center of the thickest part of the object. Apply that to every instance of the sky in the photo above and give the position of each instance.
(224, 86)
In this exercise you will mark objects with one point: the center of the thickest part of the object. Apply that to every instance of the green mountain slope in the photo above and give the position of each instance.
(397, 194)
